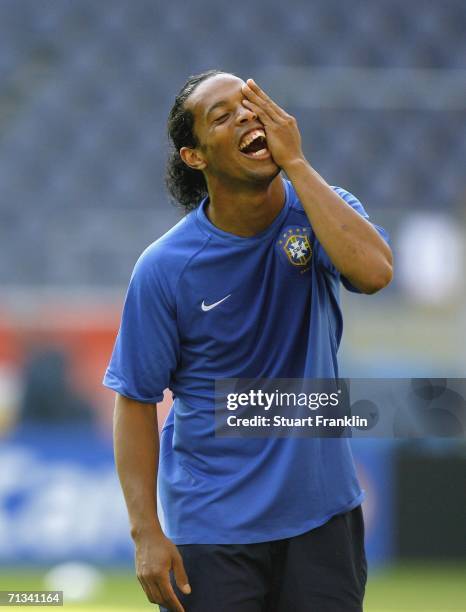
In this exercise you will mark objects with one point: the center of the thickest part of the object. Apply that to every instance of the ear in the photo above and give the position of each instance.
(192, 158)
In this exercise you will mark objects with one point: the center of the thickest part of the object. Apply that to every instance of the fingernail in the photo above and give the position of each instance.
(186, 589)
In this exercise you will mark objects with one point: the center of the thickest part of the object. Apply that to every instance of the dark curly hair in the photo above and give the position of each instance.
(186, 186)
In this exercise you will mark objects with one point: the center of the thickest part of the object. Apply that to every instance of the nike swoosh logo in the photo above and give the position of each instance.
(206, 307)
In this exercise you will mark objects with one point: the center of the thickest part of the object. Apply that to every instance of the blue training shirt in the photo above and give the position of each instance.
(277, 316)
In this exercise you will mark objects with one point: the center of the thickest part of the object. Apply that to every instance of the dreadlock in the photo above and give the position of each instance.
(187, 186)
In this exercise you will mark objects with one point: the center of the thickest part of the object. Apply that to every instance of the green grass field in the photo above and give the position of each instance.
(406, 588)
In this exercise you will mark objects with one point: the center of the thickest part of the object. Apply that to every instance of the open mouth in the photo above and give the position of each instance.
(254, 145)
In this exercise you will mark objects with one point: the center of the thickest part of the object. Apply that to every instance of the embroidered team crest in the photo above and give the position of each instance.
(295, 243)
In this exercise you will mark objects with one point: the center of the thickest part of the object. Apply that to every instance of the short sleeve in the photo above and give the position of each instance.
(146, 350)
(324, 259)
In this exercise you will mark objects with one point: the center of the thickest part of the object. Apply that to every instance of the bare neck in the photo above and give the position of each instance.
(247, 212)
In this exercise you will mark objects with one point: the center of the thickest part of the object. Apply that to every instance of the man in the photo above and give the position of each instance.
(244, 286)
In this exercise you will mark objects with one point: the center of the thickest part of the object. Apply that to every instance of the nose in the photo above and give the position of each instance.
(245, 115)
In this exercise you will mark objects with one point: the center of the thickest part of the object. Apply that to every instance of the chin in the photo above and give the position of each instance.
(266, 174)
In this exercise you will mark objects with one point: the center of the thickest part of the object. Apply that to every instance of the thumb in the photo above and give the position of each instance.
(181, 578)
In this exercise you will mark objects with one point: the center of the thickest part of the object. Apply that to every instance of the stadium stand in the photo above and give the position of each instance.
(86, 88)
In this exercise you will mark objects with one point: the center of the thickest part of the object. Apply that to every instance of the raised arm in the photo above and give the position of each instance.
(352, 243)
(136, 447)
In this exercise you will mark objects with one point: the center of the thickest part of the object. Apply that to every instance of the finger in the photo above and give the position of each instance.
(181, 577)
(253, 87)
(152, 594)
(158, 595)
(169, 596)
(266, 106)
(261, 114)
(251, 83)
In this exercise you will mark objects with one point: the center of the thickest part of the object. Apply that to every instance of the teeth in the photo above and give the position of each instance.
(250, 137)
(258, 153)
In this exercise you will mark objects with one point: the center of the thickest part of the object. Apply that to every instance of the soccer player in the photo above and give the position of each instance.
(245, 286)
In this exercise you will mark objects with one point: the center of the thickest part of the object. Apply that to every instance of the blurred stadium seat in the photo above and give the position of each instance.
(86, 88)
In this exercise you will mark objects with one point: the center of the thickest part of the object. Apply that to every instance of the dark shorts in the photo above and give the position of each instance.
(322, 570)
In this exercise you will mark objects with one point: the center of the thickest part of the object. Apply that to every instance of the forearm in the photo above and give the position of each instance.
(352, 243)
(136, 448)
